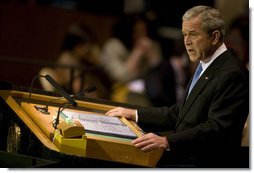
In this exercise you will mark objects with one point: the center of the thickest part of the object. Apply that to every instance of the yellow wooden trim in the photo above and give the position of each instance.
(30, 123)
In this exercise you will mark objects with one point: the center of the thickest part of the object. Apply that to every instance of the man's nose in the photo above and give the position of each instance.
(187, 41)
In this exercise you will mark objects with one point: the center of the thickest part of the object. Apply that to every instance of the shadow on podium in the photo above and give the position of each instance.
(14, 160)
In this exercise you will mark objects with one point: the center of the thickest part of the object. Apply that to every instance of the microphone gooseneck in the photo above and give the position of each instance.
(45, 109)
(31, 86)
(64, 105)
(60, 109)
(61, 90)
(86, 90)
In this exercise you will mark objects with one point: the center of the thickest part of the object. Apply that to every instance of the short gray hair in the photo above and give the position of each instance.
(211, 19)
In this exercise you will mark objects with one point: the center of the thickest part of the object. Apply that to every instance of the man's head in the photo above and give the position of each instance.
(203, 30)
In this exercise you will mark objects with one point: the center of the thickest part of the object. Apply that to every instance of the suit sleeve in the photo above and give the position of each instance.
(158, 118)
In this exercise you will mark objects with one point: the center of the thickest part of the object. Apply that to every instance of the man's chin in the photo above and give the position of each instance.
(194, 59)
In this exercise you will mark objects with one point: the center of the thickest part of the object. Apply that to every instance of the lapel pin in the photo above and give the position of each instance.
(206, 78)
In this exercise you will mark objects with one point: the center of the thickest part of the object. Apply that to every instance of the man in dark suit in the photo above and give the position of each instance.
(206, 128)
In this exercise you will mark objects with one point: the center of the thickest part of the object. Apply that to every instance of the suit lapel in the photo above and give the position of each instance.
(201, 83)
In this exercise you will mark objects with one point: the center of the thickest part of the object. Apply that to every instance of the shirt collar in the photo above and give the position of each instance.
(217, 53)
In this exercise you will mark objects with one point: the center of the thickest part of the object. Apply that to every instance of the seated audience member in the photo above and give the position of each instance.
(238, 38)
(160, 84)
(80, 52)
(128, 56)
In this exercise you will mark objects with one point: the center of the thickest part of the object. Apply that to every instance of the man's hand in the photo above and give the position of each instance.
(129, 114)
(150, 142)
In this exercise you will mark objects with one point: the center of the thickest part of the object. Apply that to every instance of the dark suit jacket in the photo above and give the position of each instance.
(207, 127)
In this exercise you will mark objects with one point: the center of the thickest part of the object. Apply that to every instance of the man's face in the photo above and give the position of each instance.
(197, 42)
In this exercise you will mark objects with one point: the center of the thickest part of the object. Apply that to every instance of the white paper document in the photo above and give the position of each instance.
(100, 124)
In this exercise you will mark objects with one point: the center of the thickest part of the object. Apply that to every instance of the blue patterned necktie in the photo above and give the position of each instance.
(196, 76)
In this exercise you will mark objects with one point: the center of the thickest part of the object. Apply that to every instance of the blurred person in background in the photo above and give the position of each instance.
(79, 51)
(129, 56)
(238, 38)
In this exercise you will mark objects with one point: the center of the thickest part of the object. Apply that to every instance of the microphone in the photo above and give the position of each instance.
(87, 90)
(64, 105)
(56, 121)
(44, 110)
(61, 90)
(31, 86)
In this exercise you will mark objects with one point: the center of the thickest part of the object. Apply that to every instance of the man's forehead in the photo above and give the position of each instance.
(191, 24)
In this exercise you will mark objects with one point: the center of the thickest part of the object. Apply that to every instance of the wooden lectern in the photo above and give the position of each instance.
(73, 139)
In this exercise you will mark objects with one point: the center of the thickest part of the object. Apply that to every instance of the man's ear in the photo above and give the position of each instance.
(215, 37)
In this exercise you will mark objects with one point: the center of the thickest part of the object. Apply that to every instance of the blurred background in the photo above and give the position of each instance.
(33, 34)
